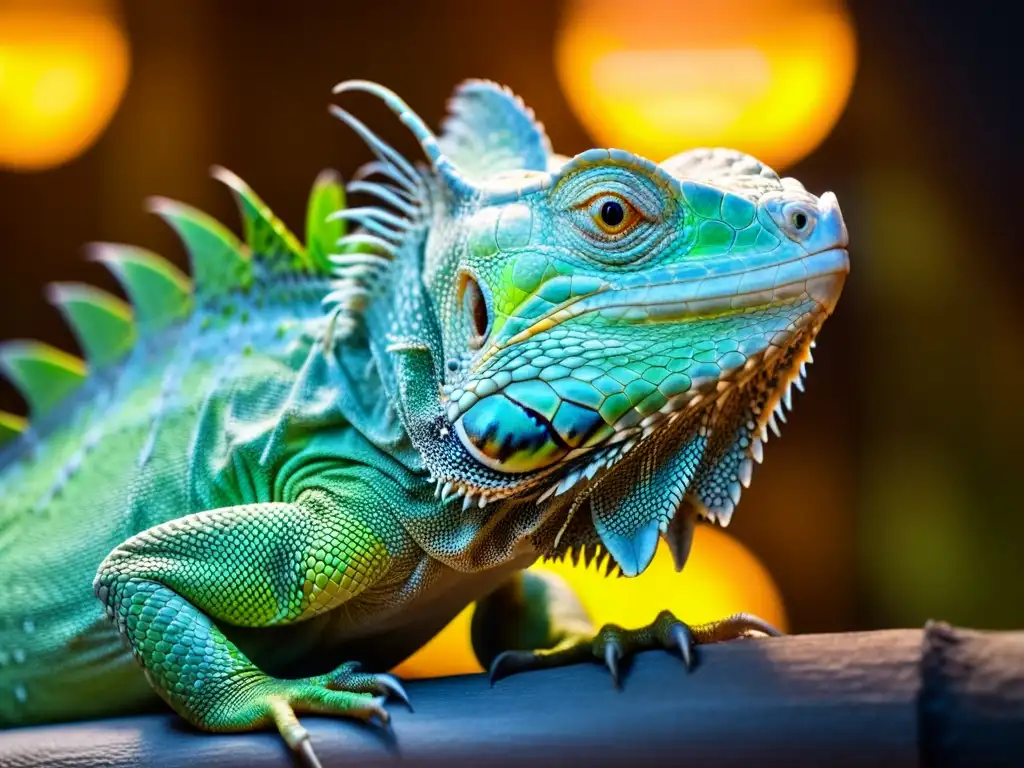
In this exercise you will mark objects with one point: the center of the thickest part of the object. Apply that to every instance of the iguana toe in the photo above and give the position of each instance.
(328, 701)
(344, 692)
(614, 646)
(348, 678)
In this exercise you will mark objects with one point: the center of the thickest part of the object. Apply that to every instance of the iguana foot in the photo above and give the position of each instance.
(244, 580)
(612, 644)
(345, 692)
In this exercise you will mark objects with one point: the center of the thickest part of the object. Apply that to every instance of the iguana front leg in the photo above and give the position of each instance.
(535, 621)
(253, 565)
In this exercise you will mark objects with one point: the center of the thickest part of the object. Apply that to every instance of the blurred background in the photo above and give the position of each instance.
(895, 495)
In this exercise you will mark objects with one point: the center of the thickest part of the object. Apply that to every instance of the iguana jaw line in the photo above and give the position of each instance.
(819, 276)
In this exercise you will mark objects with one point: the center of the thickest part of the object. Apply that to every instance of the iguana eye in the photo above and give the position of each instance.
(613, 215)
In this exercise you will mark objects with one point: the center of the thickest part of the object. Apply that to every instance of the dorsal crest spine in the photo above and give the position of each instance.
(161, 295)
(220, 262)
(489, 130)
(11, 426)
(323, 231)
(43, 374)
(159, 292)
(266, 236)
(102, 323)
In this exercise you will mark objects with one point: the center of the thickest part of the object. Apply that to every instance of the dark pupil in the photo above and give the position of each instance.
(800, 220)
(612, 213)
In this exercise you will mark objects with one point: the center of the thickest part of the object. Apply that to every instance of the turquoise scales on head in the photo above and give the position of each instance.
(512, 355)
(614, 336)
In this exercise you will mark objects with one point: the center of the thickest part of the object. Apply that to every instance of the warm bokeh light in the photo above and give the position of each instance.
(63, 69)
(721, 577)
(769, 77)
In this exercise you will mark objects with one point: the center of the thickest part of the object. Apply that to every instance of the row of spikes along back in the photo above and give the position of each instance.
(160, 295)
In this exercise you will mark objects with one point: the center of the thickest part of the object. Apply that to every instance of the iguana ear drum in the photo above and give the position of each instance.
(474, 306)
(507, 437)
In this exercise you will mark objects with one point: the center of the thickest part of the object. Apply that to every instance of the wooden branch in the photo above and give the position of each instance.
(934, 698)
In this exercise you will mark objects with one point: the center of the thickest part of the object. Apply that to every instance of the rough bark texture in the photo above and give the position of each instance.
(937, 698)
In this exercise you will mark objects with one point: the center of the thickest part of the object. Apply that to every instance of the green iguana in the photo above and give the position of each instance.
(309, 456)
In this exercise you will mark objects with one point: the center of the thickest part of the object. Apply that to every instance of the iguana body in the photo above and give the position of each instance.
(308, 460)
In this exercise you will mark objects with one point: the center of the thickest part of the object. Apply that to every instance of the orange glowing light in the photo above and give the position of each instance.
(721, 577)
(769, 77)
(63, 69)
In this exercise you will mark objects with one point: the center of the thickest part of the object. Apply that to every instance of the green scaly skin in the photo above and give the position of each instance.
(308, 460)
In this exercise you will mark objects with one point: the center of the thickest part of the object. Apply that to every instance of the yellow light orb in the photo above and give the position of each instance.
(768, 77)
(720, 578)
(63, 69)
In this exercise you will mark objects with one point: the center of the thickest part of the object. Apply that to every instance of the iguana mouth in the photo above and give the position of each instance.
(818, 276)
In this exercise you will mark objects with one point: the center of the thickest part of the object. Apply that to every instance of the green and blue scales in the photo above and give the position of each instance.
(312, 454)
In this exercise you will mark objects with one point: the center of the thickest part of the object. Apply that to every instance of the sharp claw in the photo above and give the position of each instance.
(496, 672)
(509, 662)
(683, 640)
(612, 654)
(376, 710)
(390, 686)
(306, 750)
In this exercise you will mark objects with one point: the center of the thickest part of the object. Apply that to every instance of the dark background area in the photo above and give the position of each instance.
(894, 495)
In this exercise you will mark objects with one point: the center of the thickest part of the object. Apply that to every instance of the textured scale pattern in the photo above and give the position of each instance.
(223, 401)
(489, 130)
(307, 454)
(257, 565)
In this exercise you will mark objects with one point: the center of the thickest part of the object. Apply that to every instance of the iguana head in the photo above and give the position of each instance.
(615, 334)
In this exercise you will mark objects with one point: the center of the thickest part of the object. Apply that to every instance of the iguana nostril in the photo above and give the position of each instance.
(798, 221)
